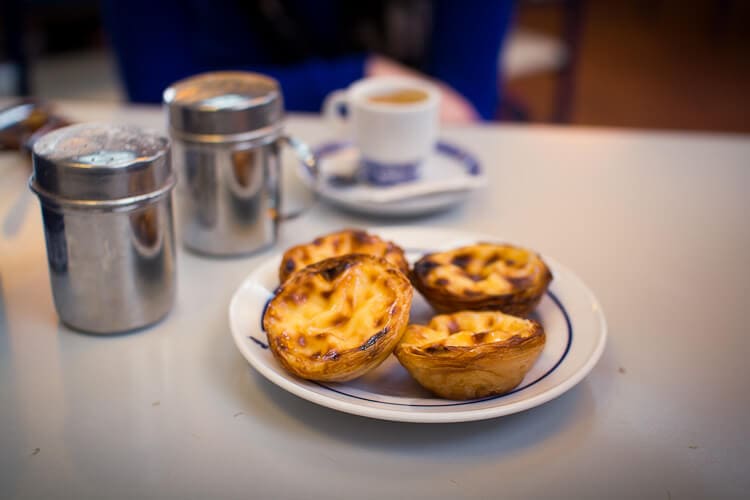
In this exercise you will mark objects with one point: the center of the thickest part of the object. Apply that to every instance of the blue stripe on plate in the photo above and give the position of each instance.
(551, 295)
(489, 398)
(470, 163)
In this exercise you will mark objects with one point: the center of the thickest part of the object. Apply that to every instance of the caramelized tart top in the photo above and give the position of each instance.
(469, 329)
(338, 305)
(340, 243)
(484, 269)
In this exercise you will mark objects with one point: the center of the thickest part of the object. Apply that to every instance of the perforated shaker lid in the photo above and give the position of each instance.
(101, 163)
(230, 103)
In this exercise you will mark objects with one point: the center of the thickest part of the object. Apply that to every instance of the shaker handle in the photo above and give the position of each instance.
(310, 168)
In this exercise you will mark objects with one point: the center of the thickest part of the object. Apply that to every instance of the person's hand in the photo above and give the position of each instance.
(454, 108)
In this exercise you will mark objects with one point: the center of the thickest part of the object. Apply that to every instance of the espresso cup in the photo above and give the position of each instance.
(393, 121)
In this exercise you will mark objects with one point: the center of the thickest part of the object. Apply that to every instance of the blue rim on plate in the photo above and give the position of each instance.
(435, 190)
(263, 345)
(469, 162)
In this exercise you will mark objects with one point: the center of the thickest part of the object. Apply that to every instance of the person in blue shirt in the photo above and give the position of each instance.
(315, 47)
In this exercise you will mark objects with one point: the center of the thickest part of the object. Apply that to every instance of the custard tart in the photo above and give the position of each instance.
(471, 354)
(340, 243)
(338, 318)
(485, 276)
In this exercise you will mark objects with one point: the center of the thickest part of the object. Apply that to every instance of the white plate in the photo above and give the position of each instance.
(571, 316)
(448, 176)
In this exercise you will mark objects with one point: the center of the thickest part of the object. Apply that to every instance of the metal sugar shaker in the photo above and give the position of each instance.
(227, 132)
(105, 193)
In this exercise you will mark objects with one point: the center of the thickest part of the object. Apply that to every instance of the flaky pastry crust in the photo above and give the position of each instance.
(470, 354)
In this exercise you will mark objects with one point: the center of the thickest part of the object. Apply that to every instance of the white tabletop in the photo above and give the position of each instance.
(655, 223)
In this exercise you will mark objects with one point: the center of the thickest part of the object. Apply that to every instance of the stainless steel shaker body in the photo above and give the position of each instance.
(227, 133)
(228, 195)
(105, 193)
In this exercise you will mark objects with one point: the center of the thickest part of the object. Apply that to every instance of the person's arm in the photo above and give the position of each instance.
(149, 40)
(160, 42)
(305, 85)
(465, 46)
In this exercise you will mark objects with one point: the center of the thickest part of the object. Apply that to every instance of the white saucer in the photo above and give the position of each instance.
(446, 178)
(570, 314)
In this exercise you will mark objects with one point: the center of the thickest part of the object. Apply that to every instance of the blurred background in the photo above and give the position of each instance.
(658, 64)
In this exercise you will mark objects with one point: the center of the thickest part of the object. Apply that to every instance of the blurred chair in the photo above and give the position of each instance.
(530, 53)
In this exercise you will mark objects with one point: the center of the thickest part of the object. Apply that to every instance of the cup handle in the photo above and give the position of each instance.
(309, 166)
(332, 106)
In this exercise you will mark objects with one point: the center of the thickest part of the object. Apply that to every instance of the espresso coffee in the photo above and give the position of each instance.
(400, 96)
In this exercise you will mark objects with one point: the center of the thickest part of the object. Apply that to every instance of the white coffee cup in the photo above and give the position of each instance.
(393, 121)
